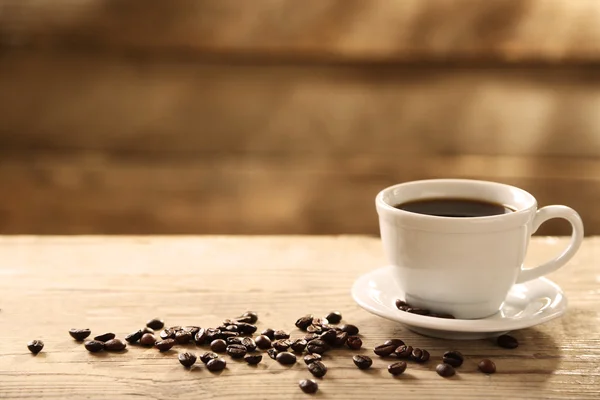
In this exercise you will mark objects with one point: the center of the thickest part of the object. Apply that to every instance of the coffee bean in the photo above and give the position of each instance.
(328, 337)
(218, 345)
(245, 328)
(155, 323)
(79, 334)
(281, 345)
(234, 340)
(270, 333)
(362, 362)
(147, 339)
(213, 334)
(507, 341)
(311, 336)
(454, 358)
(193, 330)
(165, 345)
(444, 316)
(147, 330)
(263, 342)
(397, 368)
(384, 350)
(236, 350)
(445, 370)
(418, 311)
(317, 368)
(229, 334)
(317, 346)
(419, 355)
(183, 337)
(304, 322)
(340, 339)
(281, 335)
(308, 386)
(272, 353)
(487, 366)
(320, 321)
(253, 359)
(403, 351)
(354, 342)
(94, 346)
(175, 328)
(209, 355)
(187, 359)
(402, 305)
(285, 357)
(167, 334)
(105, 337)
(115, 345)
(311, 358)
(35, 346)
(334, 317)
(349, 329)
(200, 337)
(134, 336)
(299, 345)
(231, 328)
(216, 364)
(249, 343)
(395, 342)
(249, 317)
(314, 329)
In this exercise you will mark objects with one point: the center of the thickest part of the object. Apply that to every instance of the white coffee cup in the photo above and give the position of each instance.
(465, 266)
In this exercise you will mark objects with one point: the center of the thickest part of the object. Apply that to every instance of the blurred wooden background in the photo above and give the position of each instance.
(264, 116)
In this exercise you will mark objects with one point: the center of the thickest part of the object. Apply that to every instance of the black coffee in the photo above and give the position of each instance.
(454, 207)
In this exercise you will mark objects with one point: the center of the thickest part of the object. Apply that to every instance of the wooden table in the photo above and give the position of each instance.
(51, 284)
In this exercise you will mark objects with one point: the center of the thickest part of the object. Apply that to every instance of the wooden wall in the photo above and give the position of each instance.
(223, 116)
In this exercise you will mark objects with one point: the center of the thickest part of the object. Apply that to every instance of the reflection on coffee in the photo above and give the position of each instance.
(454, 207)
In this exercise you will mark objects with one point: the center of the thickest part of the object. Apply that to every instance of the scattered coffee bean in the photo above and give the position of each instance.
(183, 337)
(270, 333)
(340, 338)
(253, 359)
(487, 366)
(317, 368)
(147, 330)
(281, 345)
(249, 317)
(213, 334)
(454, 358)
(317, 346)
(114, 345)
(148, 339)
(94, 346)
(155, 323)
(134, 336)
(314, 329)
(218, 345)
(420, 355)
(328, 337)
(397, 368)
(402, 305)
(395, 342)
(249, 343)
(308, 386)
(384, 350)
(228, 334)
(304, 322)
(419, 311)
(167, 334)
(299, 345)
(281, 335)
(234, 340)
(193, 330)
(272, 353)
(404, 351)
(35, 346)
(209, 355)
(349, 329)
(285, 357)
(507, 341)
(79, 334)
(311, 358)
(187, 359)
(334, 317)
(263, 342)
(236, 350)
(311, 336)
(231, 328)
(445, 370)
(165, 345)
(200, 337)
(362, 362)
(216, 364)
(245, 328)
(354, 342)
(105, 337)
(320, 321)
(175, 328)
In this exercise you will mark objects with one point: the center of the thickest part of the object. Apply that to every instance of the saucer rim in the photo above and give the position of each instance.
(459, 325)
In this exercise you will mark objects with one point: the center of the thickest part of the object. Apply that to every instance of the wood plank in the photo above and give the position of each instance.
(350, 30)
(94, 194)
(116, 284)
(180, 109)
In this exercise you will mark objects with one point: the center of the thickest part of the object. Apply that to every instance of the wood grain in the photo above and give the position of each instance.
(52, 284)
(344, 30)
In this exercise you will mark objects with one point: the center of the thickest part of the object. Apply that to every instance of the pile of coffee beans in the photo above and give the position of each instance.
(239, 339)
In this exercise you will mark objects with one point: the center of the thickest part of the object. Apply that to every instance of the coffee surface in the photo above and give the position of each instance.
(454, 207)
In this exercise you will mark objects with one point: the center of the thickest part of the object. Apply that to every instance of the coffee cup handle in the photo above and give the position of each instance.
(542, 215)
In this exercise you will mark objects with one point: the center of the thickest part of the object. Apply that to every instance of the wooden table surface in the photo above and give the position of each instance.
(51, 284)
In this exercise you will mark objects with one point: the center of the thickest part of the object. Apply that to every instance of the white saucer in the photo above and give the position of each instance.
(527, 304)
